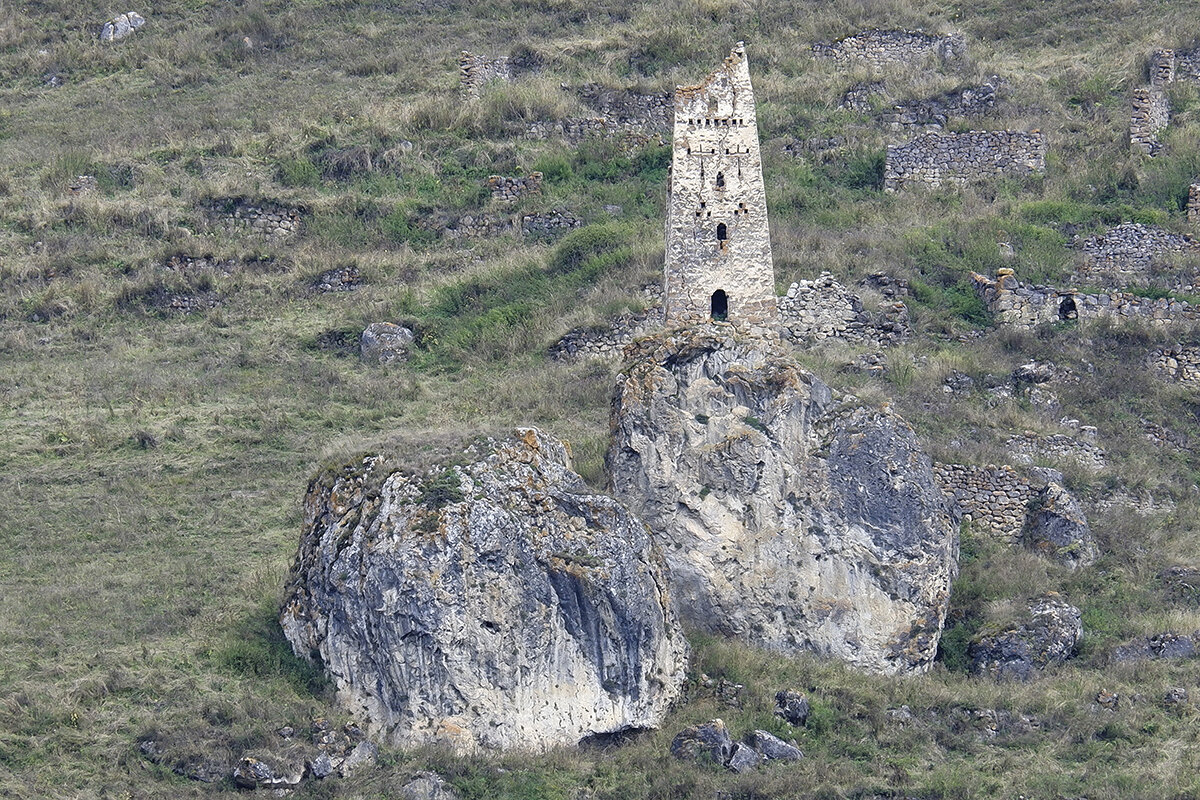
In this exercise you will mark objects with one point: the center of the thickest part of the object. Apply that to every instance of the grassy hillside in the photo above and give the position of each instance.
(154, 459)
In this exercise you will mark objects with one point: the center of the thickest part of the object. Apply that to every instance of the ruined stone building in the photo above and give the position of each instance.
(718, 252)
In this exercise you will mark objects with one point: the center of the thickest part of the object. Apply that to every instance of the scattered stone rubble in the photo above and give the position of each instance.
(1025, 306)
(936, 158)
(510, 190)
(881, 48)
(121, 26)
(339, 279)
(83, 184)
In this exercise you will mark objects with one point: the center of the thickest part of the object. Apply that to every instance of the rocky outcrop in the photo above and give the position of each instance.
(121, 26)
(788, 520)
(1048, 637)
(1057, 528)
(494, 603)
(385, 343)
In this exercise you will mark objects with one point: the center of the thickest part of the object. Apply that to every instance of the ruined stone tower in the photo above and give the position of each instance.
(718, 259)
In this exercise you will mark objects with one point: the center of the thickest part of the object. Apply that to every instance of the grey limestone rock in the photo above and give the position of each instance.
(385, 343)
(1016, 651)
(121, 26)
(494, 603)
(427, 786)
(1057, 527)
(787, 520)
(792, 706)
(708, 741)
(773, 748)
(744, 758)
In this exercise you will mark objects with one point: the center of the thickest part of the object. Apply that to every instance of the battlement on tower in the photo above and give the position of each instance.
(718, 251)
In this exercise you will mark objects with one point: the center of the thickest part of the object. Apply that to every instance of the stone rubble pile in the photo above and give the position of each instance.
(512, 189)
(121, 26)
(1179, 363)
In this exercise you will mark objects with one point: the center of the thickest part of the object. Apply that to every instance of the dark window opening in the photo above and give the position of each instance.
(720, 306)
(1067, 309)
(722, 234)
(720, 180)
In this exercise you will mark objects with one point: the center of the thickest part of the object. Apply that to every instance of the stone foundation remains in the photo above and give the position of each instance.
(880, 48)
(511, 190)
(475, 71)
(608, 341)
(266, 219)
(1180, 363)
(822, 309)
(1129, 254)
(935, 113)
(1022, 306)
(635, 119)
(1151, 113)
(932, 158)
(1193, 203)
(1029, 447)
(476, 226)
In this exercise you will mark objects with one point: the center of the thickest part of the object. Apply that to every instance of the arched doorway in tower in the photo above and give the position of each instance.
(722, 235)
(720, 305)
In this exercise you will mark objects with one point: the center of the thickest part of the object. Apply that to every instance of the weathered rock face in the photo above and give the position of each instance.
(1048, 637)
(495, 604)
(1058, 528)
(385, 343)
(787, 520)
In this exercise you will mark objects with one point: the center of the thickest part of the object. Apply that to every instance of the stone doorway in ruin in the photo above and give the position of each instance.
(1067, 309)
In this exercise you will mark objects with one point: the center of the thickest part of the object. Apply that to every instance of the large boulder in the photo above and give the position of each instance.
(493, 603)
(1013, 652)
(788, 520)
(1057, 527)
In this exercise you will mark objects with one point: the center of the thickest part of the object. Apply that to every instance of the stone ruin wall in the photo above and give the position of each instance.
(717, 242)
(935, 113)
(268, 220)
(1131, 254)
(1193, 203)
(822, 309)
(1150, 114)
(635, 119)
(1180, 364)
(476, 226)
(996, 499)
(933, 158)
(1023, 306)
(512, 189)
(1029, 448)
(810, 313)
(881, 48)
(476, 71)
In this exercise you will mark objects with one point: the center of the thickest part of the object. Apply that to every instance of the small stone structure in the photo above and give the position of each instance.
(822, 309)
(121, 26)
(1022, 306)
(935, 113)
(82, 184)
(1193, 203)
(993, 498)
(880, 48)
(475, 71)
(474, 226)
(1179, 363)
(1128, 254)
(935, 158)
(1168, 66)
(267, 219)
(1028, 447)
(511, 190)
(718, 248)
(1151, 113)
(609, 341)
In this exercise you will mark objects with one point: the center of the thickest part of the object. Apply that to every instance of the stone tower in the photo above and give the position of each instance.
(718, 259)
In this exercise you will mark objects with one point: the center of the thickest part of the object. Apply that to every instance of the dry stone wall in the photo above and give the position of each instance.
(1168, 66)
(1028, 448)
(1193, 203)
(476, 71)
(476, 226)
(881, 48)
(1132, 254)
(718, 248)
(1179, 363)
(994, 498)
(935, 158)
(511, 190)
(935, 113)
(822, 309)
(1151, 113)
(609, 341)
(269, 220)
(1024, 306)
(635, 119)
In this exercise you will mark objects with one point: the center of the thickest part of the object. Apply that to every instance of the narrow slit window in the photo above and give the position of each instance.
(720, 180)
(720, 306)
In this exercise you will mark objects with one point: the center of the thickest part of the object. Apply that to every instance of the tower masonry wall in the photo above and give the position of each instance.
(717, 236)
